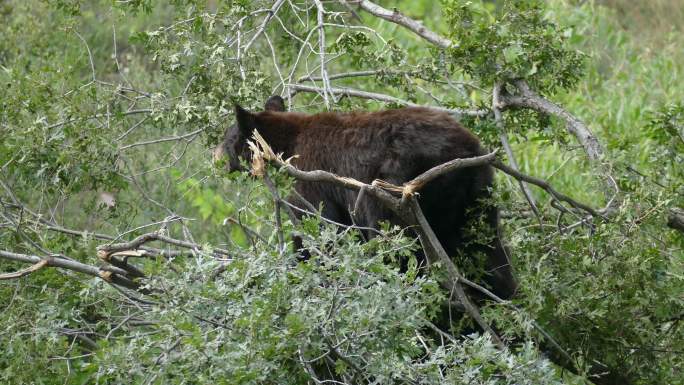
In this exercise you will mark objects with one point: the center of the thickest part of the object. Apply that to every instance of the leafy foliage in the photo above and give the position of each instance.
(512, 40)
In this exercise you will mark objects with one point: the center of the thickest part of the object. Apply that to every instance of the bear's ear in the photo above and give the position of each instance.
(275, 103)
(245, 121)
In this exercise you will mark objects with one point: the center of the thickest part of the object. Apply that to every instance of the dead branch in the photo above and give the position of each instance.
(321, 48)
(136, 243)
(530, 99)
(527, 98)
(270, 13)
(98, 116)
(455, 277)
(40, 221)
(190, 135)
(26, 271)
(398, 18)
(547, 187)
(102, 273)
(146, 250)
(341, 75)
(382, 98)
(421, 180)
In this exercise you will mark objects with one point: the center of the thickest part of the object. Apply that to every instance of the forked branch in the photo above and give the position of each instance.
(110, 274)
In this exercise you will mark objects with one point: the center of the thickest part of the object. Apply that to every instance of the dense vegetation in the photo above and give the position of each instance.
(109, 110)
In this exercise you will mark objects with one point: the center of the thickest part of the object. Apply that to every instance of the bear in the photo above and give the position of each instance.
(393, 145)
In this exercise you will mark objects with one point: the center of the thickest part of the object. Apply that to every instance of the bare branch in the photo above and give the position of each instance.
(547, 187)
(85, 234)
(90, 54)
(383, 98)
(421, 180)
(150, 237)
(591, 145)
(428, 236)
(398, 18)
(67, 264)
(162, 140)
(321, 48)
(276, 212)
(264, 23)
(98, 116)
(342, 75)
(24, 272)
(530, 99)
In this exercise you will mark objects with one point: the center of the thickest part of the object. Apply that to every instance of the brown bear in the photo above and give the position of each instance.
(394, 146)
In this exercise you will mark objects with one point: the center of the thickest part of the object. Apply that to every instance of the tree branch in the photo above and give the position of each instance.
(547, 187)
(274, 9)
(26, 271)
(397, 17)
(150, 237)
(591, 145)
(321, 52)
(530, 99)
(383, 98)
(67, 264)
(421, 180)
(428, 236)
(162, 140)
(503, 137)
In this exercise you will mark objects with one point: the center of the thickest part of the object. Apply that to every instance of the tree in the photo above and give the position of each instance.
(147, 264)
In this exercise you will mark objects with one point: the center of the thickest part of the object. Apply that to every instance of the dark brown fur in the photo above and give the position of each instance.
(395, 146)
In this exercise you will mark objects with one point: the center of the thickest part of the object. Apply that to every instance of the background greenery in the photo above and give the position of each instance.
(89, 88)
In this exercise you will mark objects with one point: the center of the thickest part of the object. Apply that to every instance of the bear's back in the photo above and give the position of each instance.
(377, 145)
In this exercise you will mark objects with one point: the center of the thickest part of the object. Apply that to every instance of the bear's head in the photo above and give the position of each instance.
(234, 144)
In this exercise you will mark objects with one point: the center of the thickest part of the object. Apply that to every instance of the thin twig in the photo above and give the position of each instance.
(547, 187)
(503, 136)
(321, 48)
(274, 9)
(382, 98)
(150, 237)
(162, 140)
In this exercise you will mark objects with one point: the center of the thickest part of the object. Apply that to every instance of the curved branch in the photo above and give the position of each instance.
(397, 17)
(547, 187)
(136, 244)
(26, 271)
(532, 100)
(93, 271)
(421, 180)
(591, 145)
